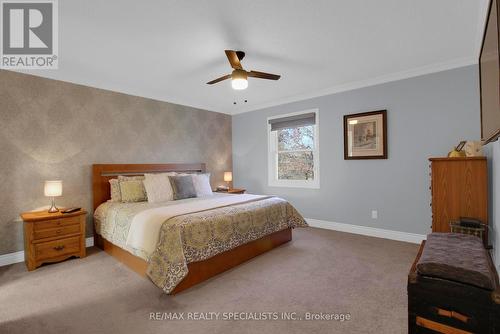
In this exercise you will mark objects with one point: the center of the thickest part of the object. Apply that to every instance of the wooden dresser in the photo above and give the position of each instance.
(459, 188)
(53, 237)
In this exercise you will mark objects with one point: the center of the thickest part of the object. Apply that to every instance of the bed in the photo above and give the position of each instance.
(181, 243)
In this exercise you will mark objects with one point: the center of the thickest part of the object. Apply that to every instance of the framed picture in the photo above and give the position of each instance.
(365, 135)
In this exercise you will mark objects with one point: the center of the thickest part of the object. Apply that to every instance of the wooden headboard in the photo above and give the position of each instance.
(101, 174)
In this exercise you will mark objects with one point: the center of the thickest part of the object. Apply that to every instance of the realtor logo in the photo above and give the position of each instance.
(29, 34)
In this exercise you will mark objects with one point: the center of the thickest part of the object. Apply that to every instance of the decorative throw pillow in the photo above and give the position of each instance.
(182, 186)
(201, 184)
(116, 196)
(158, 187)
(132, 191)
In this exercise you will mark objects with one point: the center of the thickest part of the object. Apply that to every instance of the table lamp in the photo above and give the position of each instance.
(53, 189)
(228, 177)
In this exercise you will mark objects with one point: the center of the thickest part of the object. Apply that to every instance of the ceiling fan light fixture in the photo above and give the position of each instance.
(239, 79)
(239, 84)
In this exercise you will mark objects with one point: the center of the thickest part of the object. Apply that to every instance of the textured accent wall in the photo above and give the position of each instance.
(56, 130)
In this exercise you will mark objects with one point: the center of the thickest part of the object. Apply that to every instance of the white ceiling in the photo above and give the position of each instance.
(168, 50)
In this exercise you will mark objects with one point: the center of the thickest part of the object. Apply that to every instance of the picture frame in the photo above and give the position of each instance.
(365, 135)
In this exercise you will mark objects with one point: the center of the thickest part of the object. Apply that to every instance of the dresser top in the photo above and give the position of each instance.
(456, 159)
(44, 215)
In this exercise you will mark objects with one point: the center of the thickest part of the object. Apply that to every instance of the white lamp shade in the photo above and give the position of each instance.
(228, 176)
(53, 188)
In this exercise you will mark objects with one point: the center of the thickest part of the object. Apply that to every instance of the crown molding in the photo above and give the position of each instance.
(419, 71)
(386, 78)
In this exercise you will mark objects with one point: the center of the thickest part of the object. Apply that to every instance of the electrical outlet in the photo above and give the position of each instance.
(374, 214)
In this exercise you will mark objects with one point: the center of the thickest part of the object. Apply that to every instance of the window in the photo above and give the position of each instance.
(294, 150)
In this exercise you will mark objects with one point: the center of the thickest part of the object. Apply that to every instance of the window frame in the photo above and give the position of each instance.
(272, 156)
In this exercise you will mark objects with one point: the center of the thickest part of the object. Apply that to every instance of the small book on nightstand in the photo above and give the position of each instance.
(231, 191)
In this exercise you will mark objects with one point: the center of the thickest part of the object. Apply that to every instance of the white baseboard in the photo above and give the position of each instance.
(368, 231)
(89, 242)
(11, 258)
(17, 257)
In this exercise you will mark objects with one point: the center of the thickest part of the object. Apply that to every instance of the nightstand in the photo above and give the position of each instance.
(232, 191)
(53, 237)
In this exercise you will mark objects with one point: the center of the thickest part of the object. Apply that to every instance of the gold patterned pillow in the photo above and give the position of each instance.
(132, 191)
(116, 196)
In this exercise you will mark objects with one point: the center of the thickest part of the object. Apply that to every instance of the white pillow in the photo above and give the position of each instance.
(201, 184)
(158, 187)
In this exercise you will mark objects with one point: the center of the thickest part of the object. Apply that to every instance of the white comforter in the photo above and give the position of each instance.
(145, 228)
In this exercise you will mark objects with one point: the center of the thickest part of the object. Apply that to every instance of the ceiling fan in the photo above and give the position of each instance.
(239, 77)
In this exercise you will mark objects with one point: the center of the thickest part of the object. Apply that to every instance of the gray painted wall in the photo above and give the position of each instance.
(492, 151)
(55, 130)
(427, 115)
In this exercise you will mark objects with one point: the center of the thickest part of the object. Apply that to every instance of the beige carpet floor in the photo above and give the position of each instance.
(319, 271)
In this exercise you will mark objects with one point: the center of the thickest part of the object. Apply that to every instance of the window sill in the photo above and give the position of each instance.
(293, 184)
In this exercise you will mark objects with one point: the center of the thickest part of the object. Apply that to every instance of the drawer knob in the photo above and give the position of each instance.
(59, 248)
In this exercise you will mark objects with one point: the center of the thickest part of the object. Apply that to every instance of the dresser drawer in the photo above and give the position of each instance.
(51, 249)
(56, 232)
(56, 223)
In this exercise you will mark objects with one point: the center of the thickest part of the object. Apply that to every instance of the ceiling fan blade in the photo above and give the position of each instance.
(263, 75)
(219, 79)
(232, 56)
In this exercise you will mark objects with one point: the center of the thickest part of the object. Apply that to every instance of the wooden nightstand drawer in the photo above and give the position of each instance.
(56, 232)
(56, 223)
(56, 248)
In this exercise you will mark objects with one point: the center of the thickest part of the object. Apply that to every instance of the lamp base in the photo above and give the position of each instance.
(53, 208)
